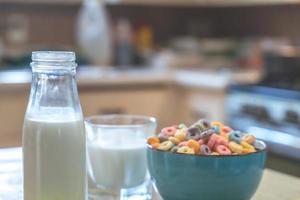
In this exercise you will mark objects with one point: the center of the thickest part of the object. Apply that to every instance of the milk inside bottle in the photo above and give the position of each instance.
(54, 152)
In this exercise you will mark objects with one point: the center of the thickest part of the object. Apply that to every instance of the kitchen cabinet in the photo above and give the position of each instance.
(60, 2)
(146, 99)
(170, 104)
(12, 109)
(208, 2)
(164, 2)
(171, 97)
(203, 93)
(200, 103)
(152, 101)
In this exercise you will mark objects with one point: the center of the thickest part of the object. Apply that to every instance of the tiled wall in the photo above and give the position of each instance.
(55, 25)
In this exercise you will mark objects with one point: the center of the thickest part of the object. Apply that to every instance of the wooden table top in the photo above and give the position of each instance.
(278, 186)
(274, 185)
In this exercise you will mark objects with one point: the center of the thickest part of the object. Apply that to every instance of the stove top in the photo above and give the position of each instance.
(268, 90)
(281, 84)
(272, 114)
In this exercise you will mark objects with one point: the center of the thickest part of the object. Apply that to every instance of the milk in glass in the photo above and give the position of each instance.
(117, 156)
(117, 166)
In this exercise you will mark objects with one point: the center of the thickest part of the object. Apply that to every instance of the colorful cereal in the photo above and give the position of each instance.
(204, 138)
(181, 134)
(236, 136)
(169, 131)
(223, 150)
(249, 138)
(174, 140)
(193, 144)
(186, 150)
(166, 146)
(235, 148)
(205, 150)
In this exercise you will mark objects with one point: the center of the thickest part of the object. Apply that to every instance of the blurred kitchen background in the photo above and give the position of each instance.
(236, 61)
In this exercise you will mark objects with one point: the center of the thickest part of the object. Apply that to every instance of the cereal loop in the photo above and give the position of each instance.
(250, 139)
(218, 124)
(212, 141)
(185, 150)
(169, 131)
(181, 134)
(223, 150)
(246, 151)
(205, 150)
(201, 141)
(155, 145)
(174, 140)
(152, 140)
(193, 144)
(236, 148)
(247, 146)
(165, 146)
(182, 144)
(226, 129)
(235, 136)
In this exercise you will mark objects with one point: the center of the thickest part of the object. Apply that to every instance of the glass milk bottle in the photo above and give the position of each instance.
(54, 143)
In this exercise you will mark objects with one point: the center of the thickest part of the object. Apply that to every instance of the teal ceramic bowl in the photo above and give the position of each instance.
(191, 177)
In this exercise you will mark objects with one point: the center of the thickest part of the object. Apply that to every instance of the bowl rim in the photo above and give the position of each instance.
(208, 156)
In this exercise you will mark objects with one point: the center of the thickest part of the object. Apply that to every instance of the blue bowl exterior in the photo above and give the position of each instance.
(190, 177)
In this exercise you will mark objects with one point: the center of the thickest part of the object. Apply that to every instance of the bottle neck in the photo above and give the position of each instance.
(53, 88)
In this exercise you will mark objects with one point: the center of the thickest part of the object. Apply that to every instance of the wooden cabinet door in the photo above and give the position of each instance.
(150, 102)
(12, 111)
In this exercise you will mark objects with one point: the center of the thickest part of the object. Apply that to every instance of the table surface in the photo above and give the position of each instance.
(274, 186)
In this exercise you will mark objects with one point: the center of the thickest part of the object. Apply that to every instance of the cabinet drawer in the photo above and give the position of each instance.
(150, 102)
(204, 104)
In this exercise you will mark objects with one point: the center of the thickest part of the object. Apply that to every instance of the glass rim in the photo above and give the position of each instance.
(53, 56)
(148, 120)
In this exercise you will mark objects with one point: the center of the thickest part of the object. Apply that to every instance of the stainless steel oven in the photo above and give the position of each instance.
(273, 115)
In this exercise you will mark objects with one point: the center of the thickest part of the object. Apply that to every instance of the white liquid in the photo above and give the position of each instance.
(117, 166)
(54, 159)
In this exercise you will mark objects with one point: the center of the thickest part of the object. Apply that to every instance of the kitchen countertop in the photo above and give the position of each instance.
(274, 185)
(214, 80)
(12, 80)
(278, 186)
(103, 77)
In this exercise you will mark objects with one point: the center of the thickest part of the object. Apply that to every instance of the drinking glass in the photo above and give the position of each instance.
(117, 164)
